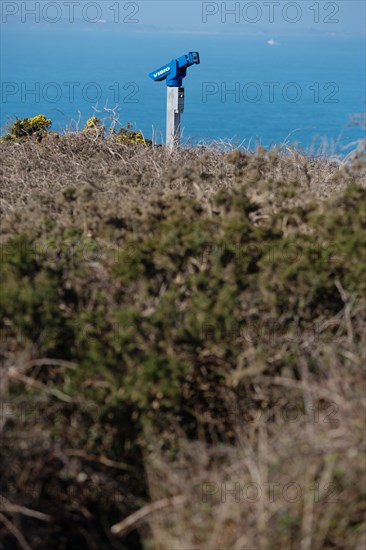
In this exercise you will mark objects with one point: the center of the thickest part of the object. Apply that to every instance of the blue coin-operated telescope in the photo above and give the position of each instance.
(173, 73)
(176, 70)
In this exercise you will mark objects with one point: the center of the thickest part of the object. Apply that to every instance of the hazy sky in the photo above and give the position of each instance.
(345, 16)
(192, 16)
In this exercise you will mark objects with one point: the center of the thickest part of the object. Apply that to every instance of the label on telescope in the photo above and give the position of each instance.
(163, 71)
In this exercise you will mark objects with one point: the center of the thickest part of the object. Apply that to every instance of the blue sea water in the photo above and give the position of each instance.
(303, 89)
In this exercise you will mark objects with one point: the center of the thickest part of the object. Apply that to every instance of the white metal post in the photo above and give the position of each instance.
(174, 107)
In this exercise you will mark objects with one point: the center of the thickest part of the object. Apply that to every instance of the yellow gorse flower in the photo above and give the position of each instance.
(92, 122)
(39, 122)
(128, 137)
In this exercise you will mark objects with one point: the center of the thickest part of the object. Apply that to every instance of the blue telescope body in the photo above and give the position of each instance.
(176, 70)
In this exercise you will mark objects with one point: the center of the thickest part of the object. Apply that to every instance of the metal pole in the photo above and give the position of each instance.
(174, 107)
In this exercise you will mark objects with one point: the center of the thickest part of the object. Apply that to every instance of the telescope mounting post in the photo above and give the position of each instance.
(174, 73)
(174, 107)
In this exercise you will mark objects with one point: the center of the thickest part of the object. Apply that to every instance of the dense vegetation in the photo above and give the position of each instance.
(177, 325)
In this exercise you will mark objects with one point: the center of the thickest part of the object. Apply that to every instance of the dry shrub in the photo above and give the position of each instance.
(293, 474)
(160, 310)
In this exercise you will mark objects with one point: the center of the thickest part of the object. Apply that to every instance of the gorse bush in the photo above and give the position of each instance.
(28, 127)
(125, 135)
(150, 311)
(95, 127)
(93, 122)
(38, 126)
